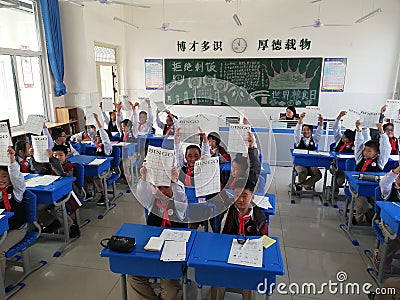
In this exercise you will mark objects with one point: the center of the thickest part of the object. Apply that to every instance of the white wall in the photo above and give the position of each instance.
(372, 47)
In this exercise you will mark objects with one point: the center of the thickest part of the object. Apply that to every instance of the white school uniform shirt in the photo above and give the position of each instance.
(180, 158)
(134, 129)
(384, 147)
(386, 183)
(50, 142)
(106, 120)
(17, 181)
(161, 124)
(146, 127)
(105, 140)
(146, 196)
(298, 135)
(336, 130)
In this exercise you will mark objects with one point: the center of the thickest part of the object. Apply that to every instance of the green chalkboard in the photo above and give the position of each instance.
(243, 82)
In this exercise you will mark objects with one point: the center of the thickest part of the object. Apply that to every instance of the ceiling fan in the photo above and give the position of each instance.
(165, 25)
(317, 22)
(111, 2)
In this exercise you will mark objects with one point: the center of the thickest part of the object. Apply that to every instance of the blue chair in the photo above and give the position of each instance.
(332, 147)
(260, 186)
(116, 173)
(79, 174)
(23, 246)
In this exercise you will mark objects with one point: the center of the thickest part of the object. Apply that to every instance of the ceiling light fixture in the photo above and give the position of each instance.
(237, 20)
(369, 15)
(125, 22)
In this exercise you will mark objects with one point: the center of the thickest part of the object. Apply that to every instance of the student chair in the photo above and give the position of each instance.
(79, 174)
(22, 247)
(332, 147)
(260, 186)
(350, 166)
(116, 173)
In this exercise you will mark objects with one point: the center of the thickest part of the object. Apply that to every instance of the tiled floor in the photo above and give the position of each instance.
(313, 247)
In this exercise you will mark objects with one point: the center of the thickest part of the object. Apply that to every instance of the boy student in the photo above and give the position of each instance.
(216, 150)
(49, 215)
(240, 167)
(344, 144)
(144, 123)
(245, 219)
(125, 127)
(12, 187)
(171, 125)
(388, 128)
(22, 156)
(89, 135)
(167, 207)
(59, 137)
(110, 122)
(303, 139)
(370, 156)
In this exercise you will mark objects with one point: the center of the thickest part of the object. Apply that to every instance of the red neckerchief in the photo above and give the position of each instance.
(164, 207)
(345, 145)
(393, 143)
(187, 177)
(6, 201)
(168, 130)
(140, 125)
(24, 166)
(232, 185)
(242, 220)
(99, 146)
(366, 163)
(125, 136)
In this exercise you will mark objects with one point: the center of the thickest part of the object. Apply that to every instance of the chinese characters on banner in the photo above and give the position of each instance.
(263, 45)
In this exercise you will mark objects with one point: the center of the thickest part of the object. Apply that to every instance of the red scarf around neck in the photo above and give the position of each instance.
(367, 163)
(242, 221)
(7, 205)
(344, 146)
(187, 177)
(164, 207)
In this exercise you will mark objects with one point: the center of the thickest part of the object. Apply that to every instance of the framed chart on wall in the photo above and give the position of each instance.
(334, 75)
(154, 74)
(269, 82)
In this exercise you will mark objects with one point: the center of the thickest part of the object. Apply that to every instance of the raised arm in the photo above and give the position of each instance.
(104, 136)
(384, 147)
(320, 129)
(337, 126)
(16, 177)
(158, 121)
(358, 143)
(386, 182)
(178, 149)
(178, 191)
(297, 129)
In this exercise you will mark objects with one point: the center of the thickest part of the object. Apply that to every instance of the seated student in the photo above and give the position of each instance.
(22, 156)
(59, 137)
(388, 128)
(390, 190)
(49, 215)
(103, 148)
(216, 150)
(245, 219)
(370, 157)
(109, 122)
(240, 167)
(290, 114)
(167, 207)
(305, 140)
(144, 123)
(88, 135)
(125, 127)
(344, 143)
(171, 125)
(12, 187)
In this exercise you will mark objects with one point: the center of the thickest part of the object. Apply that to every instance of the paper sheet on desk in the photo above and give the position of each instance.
(155, 243)
(300, 151)
(174, 251)
(319, 153)
(262, 201)
(2, 210)
(345, 155)
(250, 254)
(41, 180)
(2, 216)
(97, 161)
(175, 235)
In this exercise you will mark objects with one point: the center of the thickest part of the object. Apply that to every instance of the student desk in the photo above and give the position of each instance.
(146, 263)
(95, 171)
(390, 215)
(3, 233)
(209, 258)
(338, 164)
(358, 188)
(311, 160)
(127, 149)
(57, 193)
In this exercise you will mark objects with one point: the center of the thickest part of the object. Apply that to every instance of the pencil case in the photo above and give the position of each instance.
(368, 177)
(119, 243)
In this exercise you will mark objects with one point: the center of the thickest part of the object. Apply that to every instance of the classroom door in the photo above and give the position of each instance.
(108, 81)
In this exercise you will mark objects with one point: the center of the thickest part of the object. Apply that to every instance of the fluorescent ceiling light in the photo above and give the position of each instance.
(237, 20)
(125, 22)
(367, 16)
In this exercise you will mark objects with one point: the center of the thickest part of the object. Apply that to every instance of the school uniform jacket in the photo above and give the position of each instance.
(306, 143)
(105, 147)
(384, 152)
(338, 139)
(256, 226)
(15, 193)
(221, 153)
(51, 143)
(145, 128)
(177, 205)
(131, 134)
(387, 186)
(164, 127)
(25, 164)
(111, 126)
(394, 144)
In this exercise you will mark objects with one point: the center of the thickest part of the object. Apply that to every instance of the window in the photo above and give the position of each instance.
(104, 54)
(21, 60)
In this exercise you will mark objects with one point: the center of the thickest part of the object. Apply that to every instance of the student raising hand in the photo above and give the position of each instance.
(203, 135)
(380, 128)
(321, 119)
(358, 124)
(143, 172)
(177, 135)
(174, 174)
(101, 106)
(341, 114)
(118, 106)
(301, 117)
(11, 153)
(250, 140)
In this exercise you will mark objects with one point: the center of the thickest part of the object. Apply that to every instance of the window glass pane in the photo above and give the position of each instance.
(9, 107)
(18, 25)
(30, 85)
(104, 54)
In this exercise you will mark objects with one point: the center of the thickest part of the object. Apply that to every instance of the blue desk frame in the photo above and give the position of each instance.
(3, 232)
(338, 163)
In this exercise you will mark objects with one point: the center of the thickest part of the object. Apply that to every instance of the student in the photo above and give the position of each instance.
(305, 140)
(344, 144)
(245, 219)
(22, 156)
(12, 187)
(390, 191)
(167, 207)
(370, 156)
(388, 128)
(290, 114)
(240, 167)
(51, 216)
(103, 148)
(110, 122)
(88, 135)
(171, 123)
(216, 150)
(59, 137)
(145, 123)
(125, 127)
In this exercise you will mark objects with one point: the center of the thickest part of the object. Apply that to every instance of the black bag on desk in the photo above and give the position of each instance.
(119, 243)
